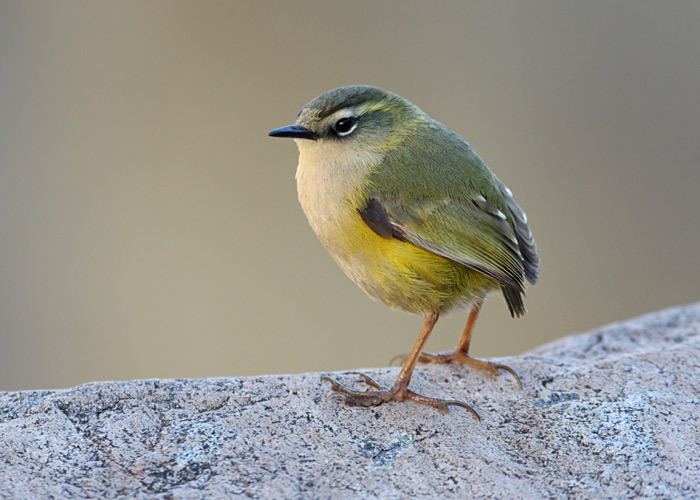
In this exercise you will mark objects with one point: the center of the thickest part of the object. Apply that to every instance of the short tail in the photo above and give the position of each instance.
(514, 299)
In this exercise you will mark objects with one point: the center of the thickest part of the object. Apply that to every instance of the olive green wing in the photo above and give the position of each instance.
(453, 206)
(526, 241)
(471, 233)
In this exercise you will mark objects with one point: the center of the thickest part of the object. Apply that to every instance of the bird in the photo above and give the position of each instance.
(414, 217)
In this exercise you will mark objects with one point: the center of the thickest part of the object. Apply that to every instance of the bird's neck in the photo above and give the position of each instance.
(333, 173)
(331, 182)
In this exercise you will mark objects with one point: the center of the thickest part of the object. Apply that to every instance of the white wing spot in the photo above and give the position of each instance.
(500, 215)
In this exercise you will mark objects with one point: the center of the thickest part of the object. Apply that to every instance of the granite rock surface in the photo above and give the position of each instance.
(614, 412)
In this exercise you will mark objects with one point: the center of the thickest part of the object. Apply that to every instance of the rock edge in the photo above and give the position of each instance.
(612, 412)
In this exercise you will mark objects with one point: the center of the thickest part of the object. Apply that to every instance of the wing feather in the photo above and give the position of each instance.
(438, 195)
(526, 241)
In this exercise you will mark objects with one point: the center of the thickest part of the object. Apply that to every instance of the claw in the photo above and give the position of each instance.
(337, 386)
(460, 358)
(508, 369)
(367, 380)
(382, 394)
(443, 405)
(454, 402)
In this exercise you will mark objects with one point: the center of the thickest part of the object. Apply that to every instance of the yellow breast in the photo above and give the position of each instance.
(399, 274)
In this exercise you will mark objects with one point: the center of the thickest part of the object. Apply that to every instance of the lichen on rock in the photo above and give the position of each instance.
(613, 413)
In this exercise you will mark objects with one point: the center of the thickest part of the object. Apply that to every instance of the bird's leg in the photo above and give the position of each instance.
(461, 356)
(399, 391)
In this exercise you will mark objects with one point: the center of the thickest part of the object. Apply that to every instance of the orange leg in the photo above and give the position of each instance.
(399, 391)
(461, 356)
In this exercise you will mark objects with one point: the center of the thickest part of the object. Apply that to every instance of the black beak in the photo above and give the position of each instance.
(296, 131)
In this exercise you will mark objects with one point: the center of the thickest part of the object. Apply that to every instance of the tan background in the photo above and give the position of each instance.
(151, 229)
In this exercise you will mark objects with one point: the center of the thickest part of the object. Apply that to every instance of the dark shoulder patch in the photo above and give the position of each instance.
(376, 218)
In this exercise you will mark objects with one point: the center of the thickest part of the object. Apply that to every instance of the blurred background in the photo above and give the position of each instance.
(149, 228)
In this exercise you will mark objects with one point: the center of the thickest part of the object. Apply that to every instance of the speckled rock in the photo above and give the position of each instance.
(610, 413)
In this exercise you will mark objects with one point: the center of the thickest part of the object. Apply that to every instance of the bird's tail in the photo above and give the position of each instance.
(514, 299)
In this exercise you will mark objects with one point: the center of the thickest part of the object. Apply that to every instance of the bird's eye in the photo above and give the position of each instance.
(345, 126)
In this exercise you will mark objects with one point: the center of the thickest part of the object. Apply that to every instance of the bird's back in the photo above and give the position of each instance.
(442, 197)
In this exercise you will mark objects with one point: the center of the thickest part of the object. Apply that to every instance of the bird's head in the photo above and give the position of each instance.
(353, 119)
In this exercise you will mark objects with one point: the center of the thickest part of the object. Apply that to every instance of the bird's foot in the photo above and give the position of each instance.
(460, 358)
(381, 394)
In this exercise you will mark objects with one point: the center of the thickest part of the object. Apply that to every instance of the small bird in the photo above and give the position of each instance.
(413, 216)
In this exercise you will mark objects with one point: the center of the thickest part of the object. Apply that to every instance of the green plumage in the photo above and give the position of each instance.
(414, 181)
(440, 196)
(411, 215)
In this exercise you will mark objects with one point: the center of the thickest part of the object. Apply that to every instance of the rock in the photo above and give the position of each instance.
(611, 413)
